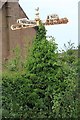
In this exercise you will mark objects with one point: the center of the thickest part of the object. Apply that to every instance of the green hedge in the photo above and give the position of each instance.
(47, 87)
(15, 90)
(23, 98)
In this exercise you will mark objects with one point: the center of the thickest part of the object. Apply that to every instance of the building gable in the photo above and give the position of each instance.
(11, 11)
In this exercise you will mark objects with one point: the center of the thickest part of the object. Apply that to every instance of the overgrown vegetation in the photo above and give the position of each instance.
(46, 85)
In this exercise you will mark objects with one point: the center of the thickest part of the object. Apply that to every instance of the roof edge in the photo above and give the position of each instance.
(23, 11)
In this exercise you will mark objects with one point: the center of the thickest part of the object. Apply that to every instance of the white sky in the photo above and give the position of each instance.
(64, 8)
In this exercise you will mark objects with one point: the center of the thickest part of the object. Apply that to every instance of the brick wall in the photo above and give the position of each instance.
(10, 39)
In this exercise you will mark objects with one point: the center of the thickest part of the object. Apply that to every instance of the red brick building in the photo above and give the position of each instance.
(9, 13)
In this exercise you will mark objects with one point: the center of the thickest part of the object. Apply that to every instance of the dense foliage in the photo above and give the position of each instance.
(47, 86)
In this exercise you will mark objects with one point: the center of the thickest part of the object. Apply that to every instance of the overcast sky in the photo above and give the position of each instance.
(64, 8)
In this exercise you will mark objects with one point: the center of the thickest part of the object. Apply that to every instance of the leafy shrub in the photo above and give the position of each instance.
(47, 88)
